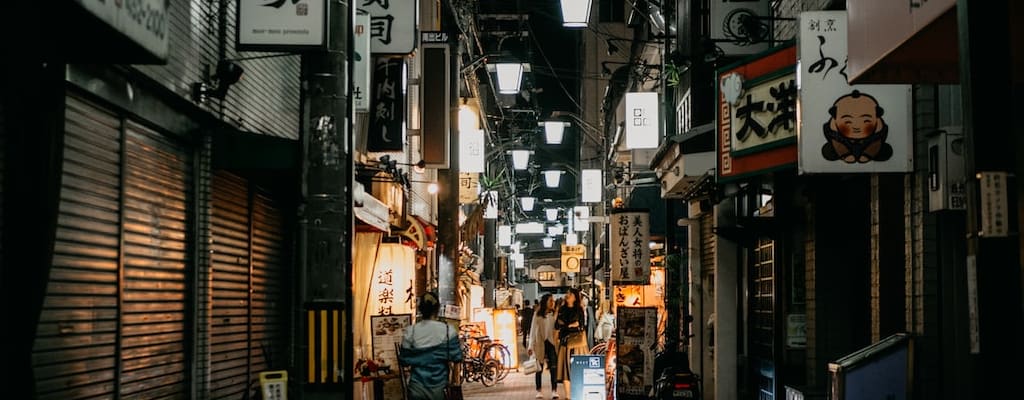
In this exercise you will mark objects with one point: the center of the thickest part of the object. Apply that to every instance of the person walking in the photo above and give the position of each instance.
(569, 323)
(527, 321)
(427, 348)
(542, 344)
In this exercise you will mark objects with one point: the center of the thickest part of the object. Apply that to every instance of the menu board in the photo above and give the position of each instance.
(637, 330)
(387, 336)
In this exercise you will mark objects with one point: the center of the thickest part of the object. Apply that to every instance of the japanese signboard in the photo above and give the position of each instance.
(144, 22)
(642, 125)
(387, 113)
(587, 371)
(630, 233)
(741, 25)
(361, 67)
(844, 128)
(281, 25)
(757, 115)
(995, 214)
(392, 25)
(636, 333)
(572, 255)
(469, 187)
(391, 285)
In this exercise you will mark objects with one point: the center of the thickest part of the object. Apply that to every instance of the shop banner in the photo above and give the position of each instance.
(844, 128)
(636, 334)
(387, 112)
(630, 231)
(392, 25)
(757, 115)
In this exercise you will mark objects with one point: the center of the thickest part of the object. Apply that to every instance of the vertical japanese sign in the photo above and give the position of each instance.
(361, 68)
(995, 212)
(742, 25)
(469, 187)
(636, 333)
(572, 256)
(844, 128)
(630, 251)
(387, 114)
(391, 290)
(392, 25)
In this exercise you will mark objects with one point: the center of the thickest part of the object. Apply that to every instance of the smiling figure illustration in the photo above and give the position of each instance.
(856, 132)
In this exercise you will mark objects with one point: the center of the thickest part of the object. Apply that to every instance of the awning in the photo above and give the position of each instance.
(889, 42)
(370, 211)
(673, 141)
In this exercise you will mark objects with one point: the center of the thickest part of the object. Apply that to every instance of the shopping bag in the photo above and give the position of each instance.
(530, 366)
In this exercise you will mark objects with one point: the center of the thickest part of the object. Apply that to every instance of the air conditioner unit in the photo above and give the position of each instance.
(946, 170)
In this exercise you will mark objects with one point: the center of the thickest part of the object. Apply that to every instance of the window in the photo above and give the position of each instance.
(546, 276)
(612, 11)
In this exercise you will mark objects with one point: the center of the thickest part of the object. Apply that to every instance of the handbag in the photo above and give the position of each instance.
(530, 366)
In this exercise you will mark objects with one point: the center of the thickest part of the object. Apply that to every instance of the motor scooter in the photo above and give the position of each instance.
(673, 379)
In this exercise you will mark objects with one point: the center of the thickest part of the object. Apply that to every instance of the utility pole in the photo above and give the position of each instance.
(324, 335)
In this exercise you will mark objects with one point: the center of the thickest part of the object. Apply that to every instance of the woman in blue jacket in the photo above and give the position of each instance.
(427, 347)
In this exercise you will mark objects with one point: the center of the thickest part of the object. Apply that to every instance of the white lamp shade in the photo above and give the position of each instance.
(556, 229)
(548, 241)
(552, 178)
(553, 131)
(510, 76)
(527, 203)
(551, 213)
(520, 159)
(575, 13)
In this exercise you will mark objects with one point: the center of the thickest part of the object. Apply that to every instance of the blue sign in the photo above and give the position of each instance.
(586, 373)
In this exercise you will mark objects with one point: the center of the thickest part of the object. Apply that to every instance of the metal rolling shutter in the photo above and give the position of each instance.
(230, 260)
(157, 204)
(75, 352)
(249, 315)
(270, 282)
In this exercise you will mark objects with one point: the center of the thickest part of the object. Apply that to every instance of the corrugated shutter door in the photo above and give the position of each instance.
(707, 241)
(270, 305)
(157, 203)
(230, 314)
(74, 355)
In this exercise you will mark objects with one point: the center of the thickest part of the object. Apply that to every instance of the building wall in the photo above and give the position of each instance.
(265, 100)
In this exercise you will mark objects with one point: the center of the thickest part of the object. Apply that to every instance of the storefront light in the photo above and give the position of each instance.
(510, 77)
(527, 202)
(554, 131)
(551, 213)
(520, 159)
(552, 178)
(575, 13)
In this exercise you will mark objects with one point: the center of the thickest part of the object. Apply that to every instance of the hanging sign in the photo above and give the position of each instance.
(387, 113)
(740, 27)
(294, 25)
(630, 240)
(642, 120)
(361, 68)
(572, 255)
(392, 25)
(844, 128)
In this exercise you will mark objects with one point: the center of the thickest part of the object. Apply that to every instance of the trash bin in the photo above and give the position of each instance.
(274, 385)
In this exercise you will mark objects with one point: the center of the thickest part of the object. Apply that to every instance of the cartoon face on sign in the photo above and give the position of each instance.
(856, 132)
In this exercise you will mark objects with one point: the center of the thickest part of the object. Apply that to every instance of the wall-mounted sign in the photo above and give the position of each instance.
(392, 25)
(282, 25)
(387, 113)
(144, 22)
(630, 240)
(469, 187)
(572, 256)
(471, 150)
(591, 185)
(739, 27)
(642, 120)
(843, 128)
(361, 67)
(757, 115)
(636, 333)
(995, 215)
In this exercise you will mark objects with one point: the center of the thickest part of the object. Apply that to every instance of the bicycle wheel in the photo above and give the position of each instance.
(500, 353)
(489, 373)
